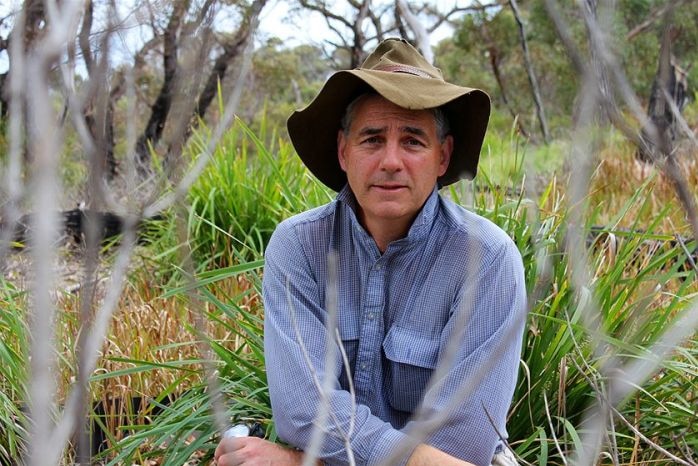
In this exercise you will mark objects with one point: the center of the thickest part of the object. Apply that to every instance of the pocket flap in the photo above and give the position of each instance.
(408, 347)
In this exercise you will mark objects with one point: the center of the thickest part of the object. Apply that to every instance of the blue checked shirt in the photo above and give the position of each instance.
(455, 275)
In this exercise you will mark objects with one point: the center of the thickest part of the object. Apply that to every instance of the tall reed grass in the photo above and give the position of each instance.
(185, 426)
(251, 184)
(13, 372)
(642, 282)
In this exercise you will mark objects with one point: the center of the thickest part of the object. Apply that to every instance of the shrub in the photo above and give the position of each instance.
(247, 189)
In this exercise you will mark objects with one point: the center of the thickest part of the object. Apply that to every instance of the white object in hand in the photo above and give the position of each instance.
(238, 430)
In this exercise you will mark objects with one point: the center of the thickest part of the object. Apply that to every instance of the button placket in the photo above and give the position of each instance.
(371, 329)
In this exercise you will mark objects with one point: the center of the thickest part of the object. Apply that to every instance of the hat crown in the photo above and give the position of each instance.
(398, 56)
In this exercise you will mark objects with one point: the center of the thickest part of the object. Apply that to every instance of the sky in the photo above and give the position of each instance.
(275, 20)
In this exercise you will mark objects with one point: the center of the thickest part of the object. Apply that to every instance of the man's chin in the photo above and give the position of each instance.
(390, 211)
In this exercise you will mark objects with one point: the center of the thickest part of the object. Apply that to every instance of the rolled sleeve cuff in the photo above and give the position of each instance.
(390, 441)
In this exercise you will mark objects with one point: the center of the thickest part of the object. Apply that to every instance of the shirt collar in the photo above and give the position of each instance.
(420, 226)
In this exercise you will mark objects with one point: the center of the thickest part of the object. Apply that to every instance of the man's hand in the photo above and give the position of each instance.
(426, 455)
(253, 451)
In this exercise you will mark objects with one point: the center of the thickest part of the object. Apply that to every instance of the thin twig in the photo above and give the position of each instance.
(96, 334)
(502, 437)
(197, 310)
(533, 81)
(350, 380)
(632, 428)
(17, 94)
(309, 364)
(552, 428)
(316, 438)
(42, 144)
(689, 255)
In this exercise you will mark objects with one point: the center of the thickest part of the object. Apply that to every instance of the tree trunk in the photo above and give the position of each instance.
(540, 111)
(357, 50)
(669, 89)
(4, 103)
(493, 53)
(161, 107)
(420, 32)
(231, 50)
(99, 109)
(598, 63)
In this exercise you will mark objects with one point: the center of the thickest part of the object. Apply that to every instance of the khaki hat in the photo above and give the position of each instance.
(399, 73)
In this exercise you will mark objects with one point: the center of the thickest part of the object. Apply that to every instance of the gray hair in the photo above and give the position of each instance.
(440, 119)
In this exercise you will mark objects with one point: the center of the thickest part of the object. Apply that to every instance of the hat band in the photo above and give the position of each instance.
(403, 69)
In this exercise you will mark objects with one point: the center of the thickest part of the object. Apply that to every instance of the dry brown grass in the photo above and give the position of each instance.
(614, 184)
(149, 328)
(619, 175)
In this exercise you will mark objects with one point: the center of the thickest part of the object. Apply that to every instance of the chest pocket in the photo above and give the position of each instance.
(411, 359)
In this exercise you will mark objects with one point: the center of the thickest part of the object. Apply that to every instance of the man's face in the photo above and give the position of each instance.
(392, 157)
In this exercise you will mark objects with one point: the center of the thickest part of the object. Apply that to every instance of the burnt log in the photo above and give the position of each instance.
(74, 225)
(669, 96)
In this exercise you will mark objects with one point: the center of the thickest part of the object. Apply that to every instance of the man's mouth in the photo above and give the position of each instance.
(390, 187)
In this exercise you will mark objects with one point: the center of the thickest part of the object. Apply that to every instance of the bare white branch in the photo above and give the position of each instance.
(311, 453)
(420, 32)
(340, 432)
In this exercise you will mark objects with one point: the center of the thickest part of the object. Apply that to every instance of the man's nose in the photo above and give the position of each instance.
(391, 160)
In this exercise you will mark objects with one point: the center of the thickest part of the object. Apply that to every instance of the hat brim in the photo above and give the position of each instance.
(313, 130)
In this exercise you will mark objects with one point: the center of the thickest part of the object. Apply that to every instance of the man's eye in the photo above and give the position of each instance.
(371, 140)
(414, 142)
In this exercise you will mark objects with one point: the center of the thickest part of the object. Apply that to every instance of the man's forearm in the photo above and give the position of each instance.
(426, 455)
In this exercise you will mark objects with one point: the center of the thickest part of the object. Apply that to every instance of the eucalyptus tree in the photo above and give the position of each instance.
(358, 25)
(157, 43)
(77, 83)
(485, 50)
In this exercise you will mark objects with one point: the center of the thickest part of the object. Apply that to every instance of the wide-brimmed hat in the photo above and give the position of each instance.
(399, 73)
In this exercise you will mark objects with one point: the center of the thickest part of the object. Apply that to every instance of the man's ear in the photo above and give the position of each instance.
(446, 151)
(341, 146)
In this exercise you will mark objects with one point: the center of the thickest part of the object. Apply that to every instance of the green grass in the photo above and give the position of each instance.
(13, 372)
(559, 359)
(255, 180)
(506, 157)
(245, 191)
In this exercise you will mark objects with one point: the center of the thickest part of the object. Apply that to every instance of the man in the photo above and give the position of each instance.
(423, 287)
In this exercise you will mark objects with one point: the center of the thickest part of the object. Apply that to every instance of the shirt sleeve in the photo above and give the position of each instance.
(293, 315)
(487, 320)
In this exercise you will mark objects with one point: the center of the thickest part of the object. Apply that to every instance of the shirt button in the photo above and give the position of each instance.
(378, 267)
(363, 366)
(371, 315)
